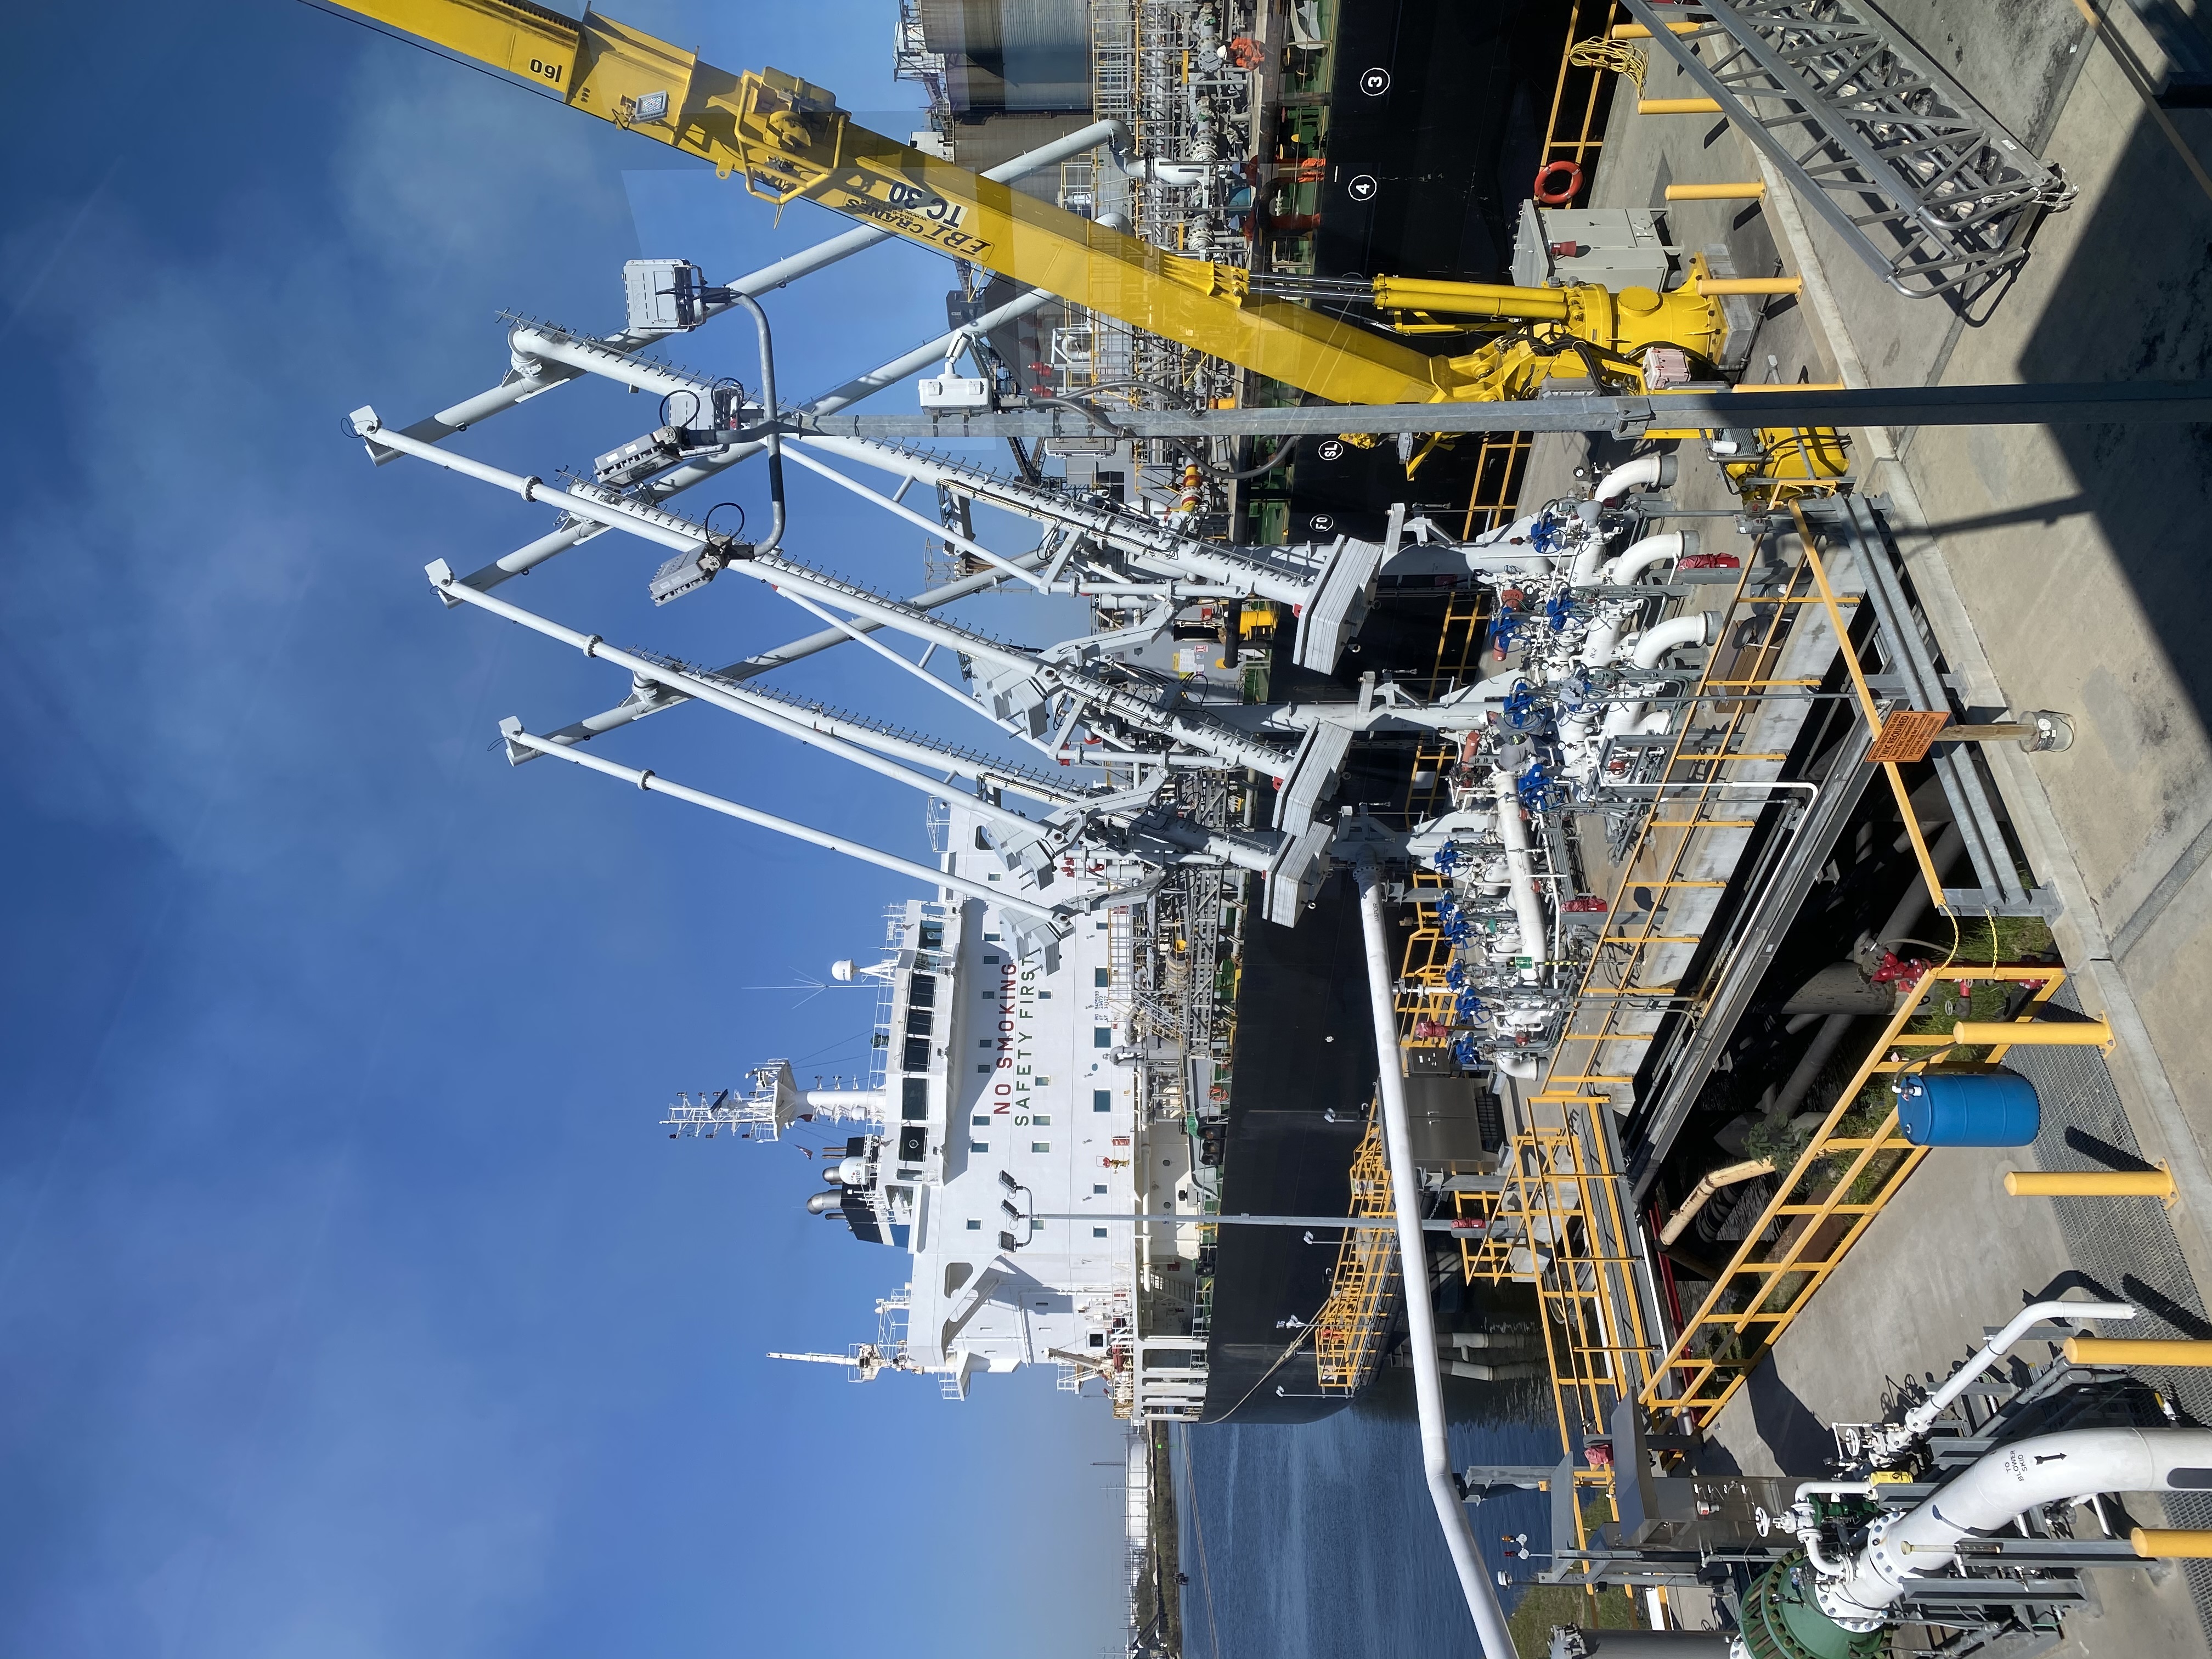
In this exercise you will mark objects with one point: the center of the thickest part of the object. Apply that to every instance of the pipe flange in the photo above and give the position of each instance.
(1844, 1614)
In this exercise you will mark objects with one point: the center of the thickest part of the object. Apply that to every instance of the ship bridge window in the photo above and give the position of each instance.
(1102, 977)
(913, 1099)
(1039, 1146)
(980, 1121)
(956, 1273)
(1101, 1037)
(914, 1144)
(916, 1057)
(1101, 1100)
(920, 1022)
(922, 991)
(932, 936)
(975, 1225)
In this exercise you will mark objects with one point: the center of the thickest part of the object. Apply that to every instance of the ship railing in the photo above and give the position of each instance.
(1353, 1327)
(1559, 1218)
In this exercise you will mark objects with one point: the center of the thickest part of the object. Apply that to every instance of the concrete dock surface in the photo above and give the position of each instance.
(2063, 568)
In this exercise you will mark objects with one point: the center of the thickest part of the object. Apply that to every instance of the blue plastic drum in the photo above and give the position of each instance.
(1968, 1108)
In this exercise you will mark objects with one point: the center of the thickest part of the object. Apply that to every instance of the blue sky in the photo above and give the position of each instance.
(351, 1301)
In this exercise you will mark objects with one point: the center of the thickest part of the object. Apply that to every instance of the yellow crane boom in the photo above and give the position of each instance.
(788, 141)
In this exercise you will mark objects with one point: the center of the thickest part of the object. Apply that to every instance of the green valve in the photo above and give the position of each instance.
(1780, 1621)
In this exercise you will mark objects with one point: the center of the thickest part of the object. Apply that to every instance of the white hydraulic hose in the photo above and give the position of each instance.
(1521, 877)
(1918, 1420)
(2048, 1468)
(1490, 1627)
(1639, 556)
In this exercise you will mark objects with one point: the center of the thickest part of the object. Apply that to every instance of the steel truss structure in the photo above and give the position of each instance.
(1924, 183)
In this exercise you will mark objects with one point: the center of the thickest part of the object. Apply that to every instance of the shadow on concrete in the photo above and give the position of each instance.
(2136, 303)
(2191, 1324)
(2042, 512)
(1799, 1441)
(2112, 1156)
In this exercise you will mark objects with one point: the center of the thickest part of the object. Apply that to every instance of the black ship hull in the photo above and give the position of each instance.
(1449, 147)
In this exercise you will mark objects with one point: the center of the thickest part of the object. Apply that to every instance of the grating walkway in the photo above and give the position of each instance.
(2124, 1246)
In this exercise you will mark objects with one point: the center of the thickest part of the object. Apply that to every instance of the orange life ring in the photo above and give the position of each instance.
(1557, 198)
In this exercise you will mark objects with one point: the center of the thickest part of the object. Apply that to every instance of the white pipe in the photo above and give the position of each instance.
(951, 537)
(1521, 873)
(653, 782)
(2008, 1481)
(1918, 1420)
(1653, 643)
(817, 730)
(1475, 1584)
(521, 388)
(1150, 542)
(1639, 556)
(934, 598)
(1603, 640)
(1588, 557)
(703, 467)
(1645, 471)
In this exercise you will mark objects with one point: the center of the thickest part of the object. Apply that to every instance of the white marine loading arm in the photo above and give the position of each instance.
(788, 141)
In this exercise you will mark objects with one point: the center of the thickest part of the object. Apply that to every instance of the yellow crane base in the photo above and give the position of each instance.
(1749, 191)
(1677, 106)
(2137, 1351)
(2090, 1184)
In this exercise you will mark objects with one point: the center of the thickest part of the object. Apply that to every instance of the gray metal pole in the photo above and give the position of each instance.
(511, 729)
(1346, 1223)
(2185, 402)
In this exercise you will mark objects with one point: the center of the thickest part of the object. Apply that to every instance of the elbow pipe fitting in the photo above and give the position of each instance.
(1639, 556)
(1644, 472)
(2047, 1468)
(1653, 643)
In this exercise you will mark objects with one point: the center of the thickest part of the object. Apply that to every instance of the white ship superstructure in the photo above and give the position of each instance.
(1000, 1141)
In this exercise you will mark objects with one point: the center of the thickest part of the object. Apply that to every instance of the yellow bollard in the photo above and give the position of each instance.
(2068, 1034)
(1748, 284)
(1638, 31)
(1752, 190)
(2135, 1350)
(1677, 106)
(2090, 1184)
(2171, 1543)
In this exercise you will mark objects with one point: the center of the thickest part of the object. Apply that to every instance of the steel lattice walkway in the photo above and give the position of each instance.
(1925, 184)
